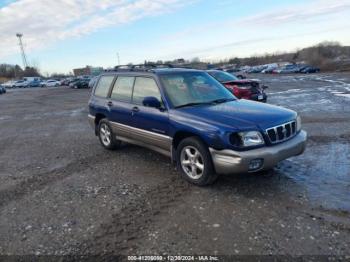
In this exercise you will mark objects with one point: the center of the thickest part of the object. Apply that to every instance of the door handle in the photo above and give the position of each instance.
(135, 109)
(109, 103)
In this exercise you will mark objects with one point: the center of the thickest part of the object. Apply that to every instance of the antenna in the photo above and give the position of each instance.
(24, 58)
(118, 58)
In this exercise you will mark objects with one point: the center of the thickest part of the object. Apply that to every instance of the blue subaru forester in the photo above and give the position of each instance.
(189, 116)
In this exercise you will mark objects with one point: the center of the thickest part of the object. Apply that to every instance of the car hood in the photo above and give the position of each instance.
(238, 114)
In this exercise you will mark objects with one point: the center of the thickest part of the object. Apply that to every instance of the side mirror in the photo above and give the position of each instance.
(151, 101)
(264, 87)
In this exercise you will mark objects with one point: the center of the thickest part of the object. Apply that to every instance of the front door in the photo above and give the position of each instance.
(151, 124)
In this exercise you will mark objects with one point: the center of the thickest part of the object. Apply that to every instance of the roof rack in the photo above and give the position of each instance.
(141, 67)
(145, 67)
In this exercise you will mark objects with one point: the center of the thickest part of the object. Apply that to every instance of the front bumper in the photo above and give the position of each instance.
(232, 162)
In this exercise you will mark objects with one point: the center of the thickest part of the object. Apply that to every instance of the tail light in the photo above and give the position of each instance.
(239, 91)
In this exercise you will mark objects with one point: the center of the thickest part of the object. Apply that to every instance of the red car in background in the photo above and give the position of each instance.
(241, 88)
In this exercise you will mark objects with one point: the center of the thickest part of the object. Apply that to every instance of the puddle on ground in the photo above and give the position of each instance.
(324, 171)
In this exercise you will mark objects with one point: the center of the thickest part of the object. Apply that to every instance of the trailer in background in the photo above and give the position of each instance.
(32, 78)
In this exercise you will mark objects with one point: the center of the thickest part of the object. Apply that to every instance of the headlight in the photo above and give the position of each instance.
(298, 123)
(251, 138)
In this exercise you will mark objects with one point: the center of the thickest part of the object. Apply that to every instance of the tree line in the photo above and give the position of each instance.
(15, 71)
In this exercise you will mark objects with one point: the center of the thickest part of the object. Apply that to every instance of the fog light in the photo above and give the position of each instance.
(255, 164)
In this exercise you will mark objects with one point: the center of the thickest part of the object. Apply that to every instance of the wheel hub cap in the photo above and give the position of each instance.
(105, 134)
(192, 162)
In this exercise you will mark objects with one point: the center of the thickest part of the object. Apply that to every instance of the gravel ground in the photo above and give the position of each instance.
(62, 193)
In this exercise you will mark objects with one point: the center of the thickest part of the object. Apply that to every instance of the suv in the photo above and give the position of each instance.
(189, 116)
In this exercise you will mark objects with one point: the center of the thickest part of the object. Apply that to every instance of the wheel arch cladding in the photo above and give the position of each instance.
(98, 118)
(181, 135)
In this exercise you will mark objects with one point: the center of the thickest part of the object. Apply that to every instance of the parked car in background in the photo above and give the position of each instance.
(256, 69)
(21, 84)
(310, 69)
(9, 84)
(65, 82)
(289, 69)
(93, 81)
(241, 88)
(277, 70)
(51, 82)
(35, 83)
(2, 89)
(235, 71)
(241, 75)
(190, 117)
(72, 81)
(80, 83)
(86, 77)
(269, 69)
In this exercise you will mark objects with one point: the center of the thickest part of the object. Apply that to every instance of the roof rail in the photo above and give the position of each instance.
(144, 67)
(141, 67)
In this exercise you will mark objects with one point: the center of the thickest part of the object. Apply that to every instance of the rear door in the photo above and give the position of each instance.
(151, 124)
(98, 103)
(120, 107)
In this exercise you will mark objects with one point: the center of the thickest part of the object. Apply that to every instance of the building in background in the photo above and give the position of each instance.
(88, 70)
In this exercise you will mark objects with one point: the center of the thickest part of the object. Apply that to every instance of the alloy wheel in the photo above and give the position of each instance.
(105, 134)
(192, 162)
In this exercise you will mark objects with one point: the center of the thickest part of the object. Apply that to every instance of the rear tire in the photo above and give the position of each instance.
(106, 136)
(194, 162)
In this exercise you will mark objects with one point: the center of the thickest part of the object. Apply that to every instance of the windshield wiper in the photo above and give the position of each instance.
(222, 100)
(193, 104)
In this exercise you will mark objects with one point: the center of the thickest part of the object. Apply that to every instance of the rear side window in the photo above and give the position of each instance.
(145, 86)
(103, 85)
(122, 89)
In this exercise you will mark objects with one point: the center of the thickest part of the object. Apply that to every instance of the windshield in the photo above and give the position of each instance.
(190, 88)
(223, 76)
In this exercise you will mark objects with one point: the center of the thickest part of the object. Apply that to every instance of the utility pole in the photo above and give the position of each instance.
(24, 58)
(118, 58)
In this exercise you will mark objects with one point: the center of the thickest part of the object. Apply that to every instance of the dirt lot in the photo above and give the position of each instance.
(62, 193)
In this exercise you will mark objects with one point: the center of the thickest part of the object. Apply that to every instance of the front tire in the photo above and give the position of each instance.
(106, 136)
(194, 162)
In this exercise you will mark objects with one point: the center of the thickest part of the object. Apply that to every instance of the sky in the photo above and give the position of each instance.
(60, 35)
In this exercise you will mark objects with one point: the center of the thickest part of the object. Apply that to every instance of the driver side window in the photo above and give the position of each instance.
(145, 86)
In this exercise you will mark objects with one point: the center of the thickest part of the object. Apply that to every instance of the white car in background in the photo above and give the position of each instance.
(49, 83)
(21, 84)
(9, 84)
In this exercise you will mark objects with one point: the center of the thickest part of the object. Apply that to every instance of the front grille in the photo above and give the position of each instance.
(282, 132)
